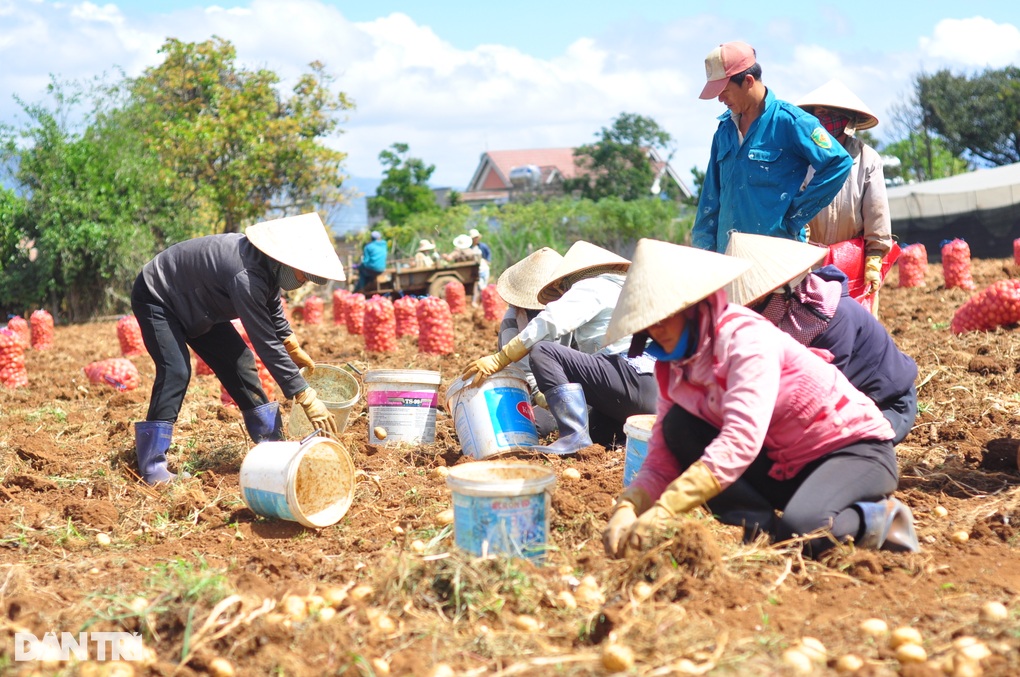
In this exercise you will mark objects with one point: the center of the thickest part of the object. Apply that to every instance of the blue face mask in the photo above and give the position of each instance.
(678, 353)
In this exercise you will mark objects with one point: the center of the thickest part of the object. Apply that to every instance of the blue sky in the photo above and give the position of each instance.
(453, 79)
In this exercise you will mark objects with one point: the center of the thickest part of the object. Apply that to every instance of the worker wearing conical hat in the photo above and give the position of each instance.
(579, 299)
(861, 207)
(187, 296)
(748, 420)
(815, 308)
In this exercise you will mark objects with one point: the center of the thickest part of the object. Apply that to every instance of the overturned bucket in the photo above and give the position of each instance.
(501, 508)
(310, 482)
(494, 416)
(638, 430)
(336, 388)
(402, 402)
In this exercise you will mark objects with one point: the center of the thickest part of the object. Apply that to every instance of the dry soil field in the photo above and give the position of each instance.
(385, 591)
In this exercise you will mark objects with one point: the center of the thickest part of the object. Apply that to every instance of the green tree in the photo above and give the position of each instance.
(96, 205)
(237, 147)
(404, 190)
(977, 116)
(924, 158)
(618, 164)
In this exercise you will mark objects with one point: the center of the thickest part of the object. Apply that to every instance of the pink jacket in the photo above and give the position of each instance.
(763, 391)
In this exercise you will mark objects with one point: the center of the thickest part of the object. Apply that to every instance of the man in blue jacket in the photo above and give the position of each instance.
(373, 260)
(760, 155)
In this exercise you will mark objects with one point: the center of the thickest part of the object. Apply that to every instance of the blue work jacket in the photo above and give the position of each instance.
(755, 187)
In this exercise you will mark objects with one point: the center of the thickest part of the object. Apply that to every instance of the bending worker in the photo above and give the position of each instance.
(188, 294)
(816, 309)
(748, 420)
(580, 298)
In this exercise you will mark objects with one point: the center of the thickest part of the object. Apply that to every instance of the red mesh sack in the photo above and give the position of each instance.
(42, 330)
(20, 328)
(130, 336)
(354, 313)
(493, 305)
(313, 310)
(997, 305)
(12, 360)
(338, 306)
(455, 297)
(118, 372)
(1016, 251)
(405, 311)
(913, 265)
(849, 257)
(956, 264)
(380, 325)
(435, 326)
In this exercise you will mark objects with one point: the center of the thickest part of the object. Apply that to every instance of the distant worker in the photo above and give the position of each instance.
(860, 210)
(427, 256)
(373, 261)
(187, 296)
(761, 152)
(484, 262)
(463, 251)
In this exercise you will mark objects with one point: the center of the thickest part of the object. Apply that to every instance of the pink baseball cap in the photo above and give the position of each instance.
(724, 62)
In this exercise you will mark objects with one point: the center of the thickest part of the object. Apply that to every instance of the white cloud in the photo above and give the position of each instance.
(976, 43)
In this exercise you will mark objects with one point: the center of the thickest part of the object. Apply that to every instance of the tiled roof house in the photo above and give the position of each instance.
(541, 169)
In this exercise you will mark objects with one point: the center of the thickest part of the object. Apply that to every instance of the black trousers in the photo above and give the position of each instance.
(612, 387)
(821, 496)
(221, 347)
(901, 413)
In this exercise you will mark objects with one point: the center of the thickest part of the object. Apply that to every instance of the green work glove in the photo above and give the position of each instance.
(873, 273)
(300, 357)
(484, 367)
(695, 486)
(320, 417)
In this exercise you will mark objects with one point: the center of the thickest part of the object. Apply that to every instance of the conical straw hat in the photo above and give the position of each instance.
(582, 260)
(301, 242)
(834, 94)
(520, 283)
(664, 279)
(774, 262)
(425, 246)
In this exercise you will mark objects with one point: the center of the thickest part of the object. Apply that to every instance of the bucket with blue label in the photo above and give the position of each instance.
(494, 416)
(501, 508)
(638, 430)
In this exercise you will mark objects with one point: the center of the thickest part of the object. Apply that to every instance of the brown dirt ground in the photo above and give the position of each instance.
(715, 606)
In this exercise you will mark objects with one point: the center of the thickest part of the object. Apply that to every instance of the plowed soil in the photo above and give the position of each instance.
(386, 591)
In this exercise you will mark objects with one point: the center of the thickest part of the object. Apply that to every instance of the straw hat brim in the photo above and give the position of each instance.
(520, 283)
(582, 260)
(300, 242)
(834, 94)
(774, 262)
(462, 242)
(664, 279)
(427, 247)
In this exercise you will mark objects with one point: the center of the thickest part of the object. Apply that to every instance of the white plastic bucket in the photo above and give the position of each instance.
(501, 508)
(638, 430)
(403, 403)
(336, 388)
(494, 416)
(310, 482)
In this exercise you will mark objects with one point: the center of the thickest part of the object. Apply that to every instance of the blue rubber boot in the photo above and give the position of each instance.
(888, 525)
(152, 440)
(264, 423)
(569, 408)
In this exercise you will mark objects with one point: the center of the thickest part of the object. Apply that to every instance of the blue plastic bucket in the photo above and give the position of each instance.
(494, 416)
(501, 508)
(638, 430)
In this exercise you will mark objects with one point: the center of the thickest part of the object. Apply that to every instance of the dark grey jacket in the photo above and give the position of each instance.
(214, 279)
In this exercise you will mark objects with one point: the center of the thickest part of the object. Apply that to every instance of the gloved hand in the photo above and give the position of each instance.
(873, 273)
(486, 366)
(317, 413)
(614, 538)
(695, 486)
(539, 398)
(300, 357)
